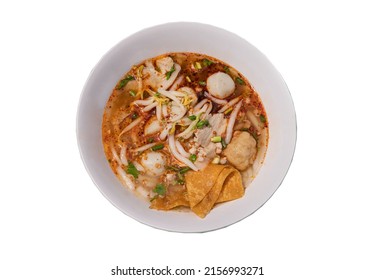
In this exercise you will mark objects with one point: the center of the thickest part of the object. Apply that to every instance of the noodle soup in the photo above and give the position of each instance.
(185, 130)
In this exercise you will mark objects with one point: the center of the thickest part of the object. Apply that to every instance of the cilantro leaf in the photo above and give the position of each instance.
(239, 81)
(168, 74)
(124, 81)
(160, 189)
(131, 169)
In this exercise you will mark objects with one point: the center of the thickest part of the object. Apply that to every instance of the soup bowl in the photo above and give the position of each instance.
(197, 38)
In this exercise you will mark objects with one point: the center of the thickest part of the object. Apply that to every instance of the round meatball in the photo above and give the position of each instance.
(153, 163)
(220, 85)
(191, 94)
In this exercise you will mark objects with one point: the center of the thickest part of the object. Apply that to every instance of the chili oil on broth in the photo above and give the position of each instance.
(169, 116)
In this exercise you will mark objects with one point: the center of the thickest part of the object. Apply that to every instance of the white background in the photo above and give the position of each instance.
(55, 224)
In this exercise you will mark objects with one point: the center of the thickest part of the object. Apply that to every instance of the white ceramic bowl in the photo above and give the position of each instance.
(198, 38)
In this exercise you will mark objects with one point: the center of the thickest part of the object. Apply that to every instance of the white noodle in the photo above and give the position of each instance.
(230, 126)
(125, 178)
(158, 112)
(200, 104)
(216, 100)
(179, 156)
(170, 96)
(185, 121)
(144, 102)
(254, 120)
(210, 107)
(165, 110)
(122, 155)
(165, 131)
(180, 115)
(176, 93)
(189, 130)
(180, 149)
(130, 126)
(177, 83)
(138, 166)
(115, 156)
(145, 147)
(150, 107)
(202, 110)
(228, 105)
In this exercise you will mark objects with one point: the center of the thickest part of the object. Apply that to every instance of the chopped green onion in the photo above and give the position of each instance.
(184, 170)
(134, 116)
(239, 81)
(180, 182)
(132, 93)
(193, 157)
(150, 140)
(198, 65)
(160, 189)
(168, 74)
(171, 167)
(216, 139)
(124, 81)
(228, 111)
(192, 118)
(224, 144)
(227, 69)
(254, 135)
(158, 147)
(216, 160)
(202, 83)
(207, 62)
(201, 124)
(131, 169)
(262, 118)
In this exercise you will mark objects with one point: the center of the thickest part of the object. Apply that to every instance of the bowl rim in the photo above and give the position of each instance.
(81, 145)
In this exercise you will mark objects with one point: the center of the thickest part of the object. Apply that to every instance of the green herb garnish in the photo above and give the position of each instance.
(201, 124)
(124, 81)
(202, 83)
(168, 74)
(150, 140)
(180, 178)
(223, 142)
(131, 169)
(227, 69)
(171, 167)
(192, 118)
(184, 170)
(132, 93)
(160, 189)
(134, 116)
(254, 135)
(239, 81)
(207, 62)
(262, 118)
(158, 147)
(193, 157)
(216, 139)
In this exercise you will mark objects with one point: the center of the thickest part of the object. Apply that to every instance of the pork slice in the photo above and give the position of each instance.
(217, 126)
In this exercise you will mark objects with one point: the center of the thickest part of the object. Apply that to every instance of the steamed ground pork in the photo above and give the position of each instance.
(185, 130)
